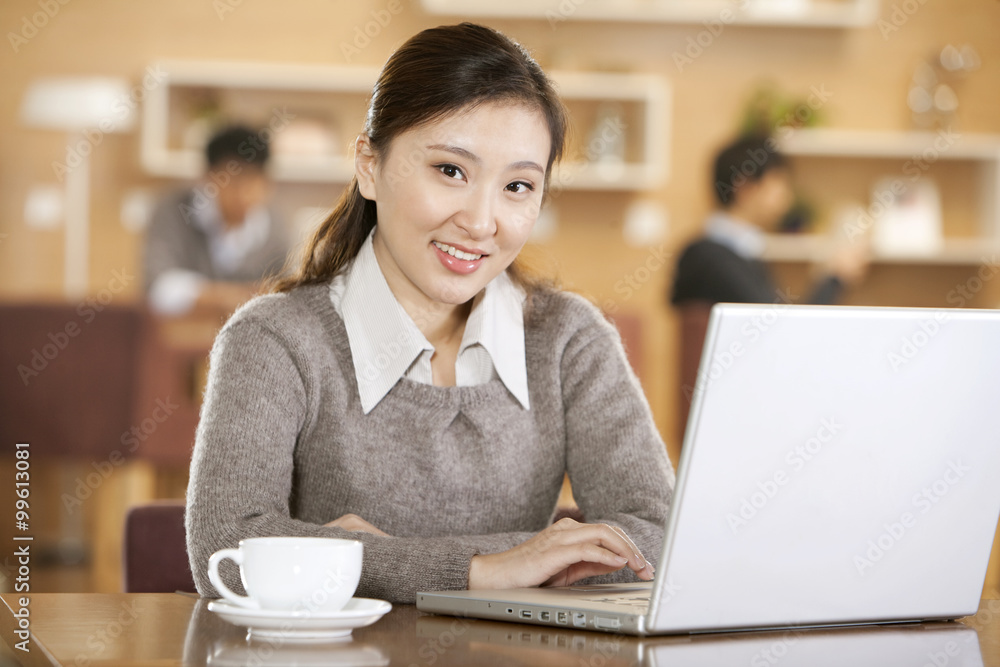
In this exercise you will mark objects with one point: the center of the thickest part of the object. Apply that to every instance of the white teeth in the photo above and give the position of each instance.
(455, 252)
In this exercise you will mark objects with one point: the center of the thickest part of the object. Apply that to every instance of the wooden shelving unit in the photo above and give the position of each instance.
(645, 100)
(911, 153)
(773, 13)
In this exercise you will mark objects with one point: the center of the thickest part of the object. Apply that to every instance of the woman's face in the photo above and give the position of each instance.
(456, 200)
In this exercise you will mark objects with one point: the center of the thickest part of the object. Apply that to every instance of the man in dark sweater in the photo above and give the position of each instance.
(753, 187)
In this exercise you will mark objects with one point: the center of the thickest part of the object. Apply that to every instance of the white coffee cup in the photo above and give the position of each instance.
(317, 574)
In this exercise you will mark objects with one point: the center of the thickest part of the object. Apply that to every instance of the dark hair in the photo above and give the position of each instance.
(238, 143)
(437, 72)
(744, 160)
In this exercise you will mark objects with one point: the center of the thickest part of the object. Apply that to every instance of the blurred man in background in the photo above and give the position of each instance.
(208, 247)
(752, 185)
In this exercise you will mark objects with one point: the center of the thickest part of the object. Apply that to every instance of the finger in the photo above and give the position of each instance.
(640, 563)
(577, 572)
(606, 536)
(563, 558)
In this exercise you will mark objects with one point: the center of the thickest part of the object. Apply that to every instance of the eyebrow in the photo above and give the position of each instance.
(469, 155)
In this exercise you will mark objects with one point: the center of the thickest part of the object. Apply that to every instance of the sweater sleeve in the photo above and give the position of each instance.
(255, 409)
(617, 462)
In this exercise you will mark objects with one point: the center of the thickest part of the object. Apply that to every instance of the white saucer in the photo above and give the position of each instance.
(303, 624)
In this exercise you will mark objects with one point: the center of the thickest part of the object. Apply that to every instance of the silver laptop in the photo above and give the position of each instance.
(840, 467)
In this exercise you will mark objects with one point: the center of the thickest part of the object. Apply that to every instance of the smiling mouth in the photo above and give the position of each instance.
(455, 252)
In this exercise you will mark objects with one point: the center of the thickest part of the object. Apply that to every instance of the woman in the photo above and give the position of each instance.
(409, 388)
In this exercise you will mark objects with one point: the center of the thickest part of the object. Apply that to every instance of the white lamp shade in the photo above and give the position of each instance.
(79, 103)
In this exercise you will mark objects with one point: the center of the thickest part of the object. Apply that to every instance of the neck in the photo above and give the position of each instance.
(746, 215)
(440, 323)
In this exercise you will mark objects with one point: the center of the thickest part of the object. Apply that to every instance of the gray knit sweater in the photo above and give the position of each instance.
(448, 472)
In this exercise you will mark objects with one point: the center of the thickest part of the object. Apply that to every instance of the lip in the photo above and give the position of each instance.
(456, 265)
(471, 251)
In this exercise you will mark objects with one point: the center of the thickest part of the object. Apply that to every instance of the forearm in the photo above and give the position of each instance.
(616, 459)
(395, 568)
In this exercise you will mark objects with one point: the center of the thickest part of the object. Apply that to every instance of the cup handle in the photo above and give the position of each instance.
(236, 556)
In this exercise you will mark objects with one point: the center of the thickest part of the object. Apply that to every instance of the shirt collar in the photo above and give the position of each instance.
(497, 323)
(385, 341)
(741, 237)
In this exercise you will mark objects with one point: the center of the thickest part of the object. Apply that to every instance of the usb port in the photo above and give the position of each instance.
(607, 623)
(562, 617)
(579, 619)
(525, 613)
(544, 615)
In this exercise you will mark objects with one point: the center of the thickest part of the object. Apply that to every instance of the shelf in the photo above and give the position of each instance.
(815, 248)
(888, 144)
(649, 94)
(916, 154)
(771, 13)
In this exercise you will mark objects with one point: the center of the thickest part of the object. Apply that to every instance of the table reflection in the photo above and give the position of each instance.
(213, 641)
(912, 645)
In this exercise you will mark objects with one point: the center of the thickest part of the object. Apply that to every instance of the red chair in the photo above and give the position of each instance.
(155, 551)
(693, 327)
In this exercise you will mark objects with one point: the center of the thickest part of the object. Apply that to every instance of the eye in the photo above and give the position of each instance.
(519, 187)
(450, 170)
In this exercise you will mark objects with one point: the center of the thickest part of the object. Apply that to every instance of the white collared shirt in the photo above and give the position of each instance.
(743, 238)
(386, 345)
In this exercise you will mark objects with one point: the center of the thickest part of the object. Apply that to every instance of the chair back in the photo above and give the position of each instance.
(155, 550)
(693, 317)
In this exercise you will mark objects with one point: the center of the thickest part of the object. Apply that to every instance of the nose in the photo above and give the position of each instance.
(477, 216)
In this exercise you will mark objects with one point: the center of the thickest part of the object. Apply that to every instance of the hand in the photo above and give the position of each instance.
(850, 263)
(354, 523)
(562, 554)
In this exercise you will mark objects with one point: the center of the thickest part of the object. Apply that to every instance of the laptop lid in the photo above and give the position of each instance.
(840, 466)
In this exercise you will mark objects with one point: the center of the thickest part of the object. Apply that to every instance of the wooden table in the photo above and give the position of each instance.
(96, 629)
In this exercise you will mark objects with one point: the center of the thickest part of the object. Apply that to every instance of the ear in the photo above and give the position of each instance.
(364, 166)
